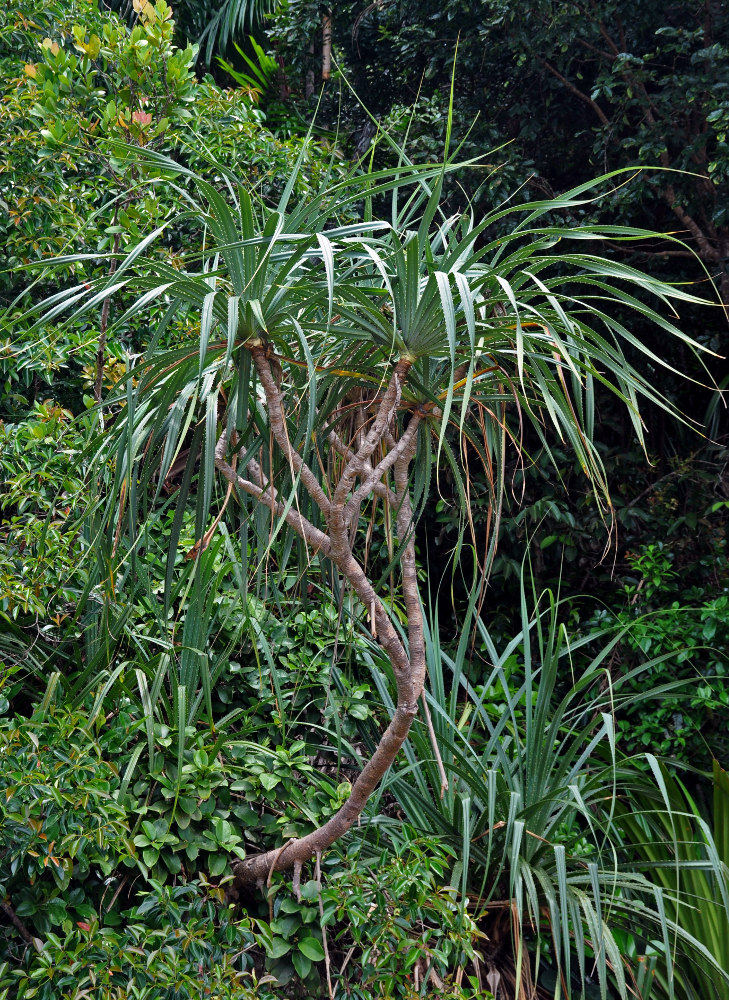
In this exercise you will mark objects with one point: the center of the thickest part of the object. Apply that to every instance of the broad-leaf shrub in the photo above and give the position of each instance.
(687, 630)
(175, 944)
(72, 80)
(61, 829)
(400, 913)
(40, 548)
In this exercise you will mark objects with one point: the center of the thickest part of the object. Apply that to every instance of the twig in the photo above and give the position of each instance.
(202, 543)
(267, 496)
(576, 91)
(277, 418)
(346, 961)
(327, 964)
(434, 744)
(277, 854)
(296, 884)
(104, 323)
(17, 922)
(119, 888)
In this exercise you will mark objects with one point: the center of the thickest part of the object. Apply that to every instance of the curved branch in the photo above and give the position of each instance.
(360, 460)
(408, 568)
(266, 495)
(576, 91)
(386, 409)
(380, 490)
(255, 870)
(706, 250)
(277, 418)
(375, 475)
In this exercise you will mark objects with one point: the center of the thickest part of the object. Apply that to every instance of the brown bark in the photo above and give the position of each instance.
(340, 514)
(309, 79)
(16, 922)
(326, 46)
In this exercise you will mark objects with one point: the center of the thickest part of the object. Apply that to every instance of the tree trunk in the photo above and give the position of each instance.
(326, 47)
(340, 512)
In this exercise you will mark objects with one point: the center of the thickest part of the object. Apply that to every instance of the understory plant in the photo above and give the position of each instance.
(692, 625)
(174, 944)
(332, 367)
(685, 850)
(556, 830)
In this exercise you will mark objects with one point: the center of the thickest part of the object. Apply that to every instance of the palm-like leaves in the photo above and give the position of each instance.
(231, 20)
(484, 319)
(689, 859)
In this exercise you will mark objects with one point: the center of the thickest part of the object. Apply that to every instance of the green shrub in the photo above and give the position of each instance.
(400, 921)
(61, 830)
(176, 944)
(40, 548)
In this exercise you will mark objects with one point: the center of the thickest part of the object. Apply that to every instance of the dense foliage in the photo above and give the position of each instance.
(197, 285)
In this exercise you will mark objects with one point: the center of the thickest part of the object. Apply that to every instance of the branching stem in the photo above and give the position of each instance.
(335, 543)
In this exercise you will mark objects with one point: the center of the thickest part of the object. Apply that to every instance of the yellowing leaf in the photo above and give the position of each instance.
(145, 9)
(30, 70)
(54, 47)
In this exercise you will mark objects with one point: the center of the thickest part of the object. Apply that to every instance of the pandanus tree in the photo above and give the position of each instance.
(336, 365)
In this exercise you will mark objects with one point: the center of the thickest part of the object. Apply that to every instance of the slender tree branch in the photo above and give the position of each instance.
(318, 540)
(360, 460)
(707, 251)
(16, 922)
(321, 542)
(408, 569)
(638, 250)
(576, 91)
(411, 592)
(602, 29)
(371, 477)
(388, 406)
(277, 418)
(380, 490)
(202, 543)
(593, 48)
